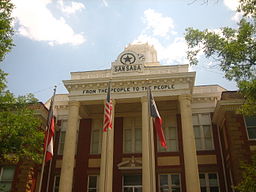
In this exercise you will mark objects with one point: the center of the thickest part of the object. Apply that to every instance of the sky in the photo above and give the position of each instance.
(55, 37)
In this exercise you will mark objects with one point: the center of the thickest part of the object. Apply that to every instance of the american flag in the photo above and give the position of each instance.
(108, 112)
(157, 120)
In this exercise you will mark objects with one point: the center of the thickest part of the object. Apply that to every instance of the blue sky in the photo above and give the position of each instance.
(56, 37)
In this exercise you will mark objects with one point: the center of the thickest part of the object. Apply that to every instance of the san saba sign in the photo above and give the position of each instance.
(128, 61)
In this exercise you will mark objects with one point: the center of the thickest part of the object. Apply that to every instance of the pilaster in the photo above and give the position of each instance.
(189, 147)
(148, 163)
(67, 168)
(107, 151)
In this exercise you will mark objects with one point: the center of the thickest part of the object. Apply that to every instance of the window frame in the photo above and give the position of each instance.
(207, 180)
(61, 142)
(100, 130)
(133, 135)
(1, 174)
(246, 126)
(54, 183)
(169, 122)
(202, 132)
(97, 182)
(132, 186)
(169, 179)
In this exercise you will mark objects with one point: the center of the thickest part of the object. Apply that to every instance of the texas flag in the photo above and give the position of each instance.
(157, 120)
(49, 133)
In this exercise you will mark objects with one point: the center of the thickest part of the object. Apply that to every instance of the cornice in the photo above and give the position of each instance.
(103, 83)
(225, 105)
(204, 99)
(61, 107)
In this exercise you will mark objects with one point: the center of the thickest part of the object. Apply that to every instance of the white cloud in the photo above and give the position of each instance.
(160, 25)
(237, 17)
(72, 8)
(36, 21)
(173, 53)
(157, 32)
(105, 3)
(233, 5)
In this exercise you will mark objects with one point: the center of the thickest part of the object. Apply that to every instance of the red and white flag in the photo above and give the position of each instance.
(49, 133)
(108, 112)
(157, 120)
(48, 143)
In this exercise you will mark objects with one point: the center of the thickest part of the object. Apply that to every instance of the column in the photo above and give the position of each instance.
(148, 172)
(189, 147)
(67, 168)
(106, 165)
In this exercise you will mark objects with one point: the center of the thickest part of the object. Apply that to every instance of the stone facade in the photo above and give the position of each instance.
(206, 138)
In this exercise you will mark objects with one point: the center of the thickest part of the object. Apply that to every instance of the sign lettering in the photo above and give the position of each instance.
(128, 89)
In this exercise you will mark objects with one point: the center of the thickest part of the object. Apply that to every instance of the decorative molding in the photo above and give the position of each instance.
(132, 163)
(62, 107)
(185, 97)
(204, 99)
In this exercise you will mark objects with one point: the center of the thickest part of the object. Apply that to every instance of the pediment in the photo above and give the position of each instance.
(131, 163)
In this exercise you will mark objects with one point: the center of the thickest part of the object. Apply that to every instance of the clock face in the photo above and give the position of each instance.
(127, 58)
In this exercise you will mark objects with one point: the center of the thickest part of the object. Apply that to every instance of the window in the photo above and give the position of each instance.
(132, 135)
(63, 129)
(203, 131)
(6, 178)
(250, 123)
(93, 183)
(169, 182)
(96, 135)
(170, 132)
(132, 183)
(209, 182)
(56, 183)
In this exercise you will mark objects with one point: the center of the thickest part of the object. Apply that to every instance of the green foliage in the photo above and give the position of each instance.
(233, 49)
(248, 183)
(248, 90)
(247, 7)
(6, 31)
(20, 137)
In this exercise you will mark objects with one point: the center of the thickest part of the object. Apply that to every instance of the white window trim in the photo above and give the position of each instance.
(123, 186)
(202, 138)
(132, 128)
(100, 129)
(207, 183)
(246, 127)
(1, 174)
(97, 184)
(62, 129)
(169, 180)
(168, 147)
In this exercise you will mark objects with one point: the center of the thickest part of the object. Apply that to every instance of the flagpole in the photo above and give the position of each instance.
(150, 141)
(47, 139)
(49, 175)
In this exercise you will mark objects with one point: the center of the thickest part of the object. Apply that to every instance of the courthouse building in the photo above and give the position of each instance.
(129, 158)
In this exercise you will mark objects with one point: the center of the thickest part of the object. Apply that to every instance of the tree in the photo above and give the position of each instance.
(248, 183)
(6, 30)
(20, 137)
(234, 50)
